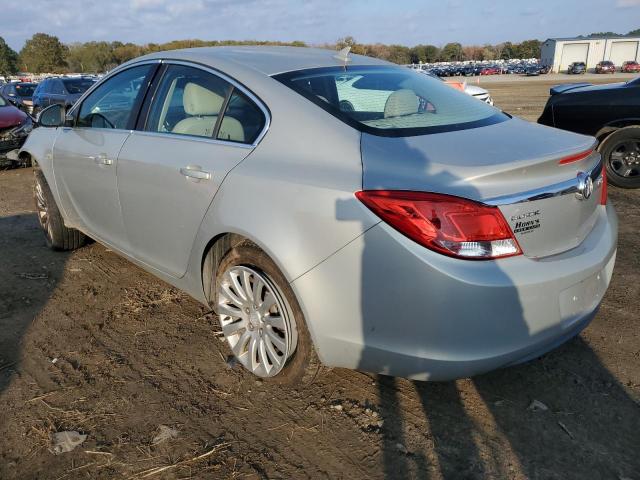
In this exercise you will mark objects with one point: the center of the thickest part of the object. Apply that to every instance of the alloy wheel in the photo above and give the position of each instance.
(256, 321)
(625, 158)
(43, 209)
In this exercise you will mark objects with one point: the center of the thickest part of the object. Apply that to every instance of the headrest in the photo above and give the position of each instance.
(401, 102)
(201, 101)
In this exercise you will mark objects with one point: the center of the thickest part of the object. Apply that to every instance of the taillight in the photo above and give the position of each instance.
(603, 190)
(446, 224)
(575, 158)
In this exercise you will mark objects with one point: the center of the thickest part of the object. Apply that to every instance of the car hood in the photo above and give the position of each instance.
(11, 116)
(474, 90)
(584, 87)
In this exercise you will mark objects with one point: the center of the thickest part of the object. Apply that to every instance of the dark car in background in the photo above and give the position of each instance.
(15, 126)
(609, 112)
(577, 68)
(61, 90)
(630, 67)
(605, 67)
(19, 94)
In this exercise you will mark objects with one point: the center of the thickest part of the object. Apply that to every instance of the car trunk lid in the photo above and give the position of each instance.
(513, 165)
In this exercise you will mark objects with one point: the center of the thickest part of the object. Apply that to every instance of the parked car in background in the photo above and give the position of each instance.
(490, 71)
(61, 90)
(608, 112)
(475, 91)
(15, 126)
(605, 67)
(428, 235)
(19, 94)
(630, 67)
(532, 71)
(577, 68)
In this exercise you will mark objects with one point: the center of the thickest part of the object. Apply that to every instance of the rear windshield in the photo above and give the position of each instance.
(391, 101)
(25, 89)
(77, 85)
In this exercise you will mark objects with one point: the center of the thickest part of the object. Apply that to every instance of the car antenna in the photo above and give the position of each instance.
(343, 56)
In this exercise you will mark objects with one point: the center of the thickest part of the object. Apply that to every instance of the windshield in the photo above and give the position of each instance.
(25, 89)
(390, 101)
(77, 85)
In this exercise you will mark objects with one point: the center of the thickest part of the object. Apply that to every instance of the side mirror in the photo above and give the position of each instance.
(52, 116)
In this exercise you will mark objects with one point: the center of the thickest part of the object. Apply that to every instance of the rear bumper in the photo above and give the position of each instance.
(385, 304)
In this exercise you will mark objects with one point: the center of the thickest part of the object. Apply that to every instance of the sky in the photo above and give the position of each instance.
(405, 22)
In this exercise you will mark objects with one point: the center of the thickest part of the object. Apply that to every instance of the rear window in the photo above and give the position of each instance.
(25, 89)
(390, 101)
(77, 85)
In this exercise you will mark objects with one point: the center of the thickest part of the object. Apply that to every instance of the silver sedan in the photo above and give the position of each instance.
(334, 209)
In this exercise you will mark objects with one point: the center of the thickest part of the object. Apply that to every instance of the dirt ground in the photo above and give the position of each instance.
(89, 342)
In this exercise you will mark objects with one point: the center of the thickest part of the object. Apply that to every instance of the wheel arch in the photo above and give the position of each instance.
(612, 127)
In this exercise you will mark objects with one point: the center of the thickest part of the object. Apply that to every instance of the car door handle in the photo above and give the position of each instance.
(101, 159)
(195, 172)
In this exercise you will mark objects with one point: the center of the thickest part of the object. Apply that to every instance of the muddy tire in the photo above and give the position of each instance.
(57, 235)
(621, 154)
(247, 281)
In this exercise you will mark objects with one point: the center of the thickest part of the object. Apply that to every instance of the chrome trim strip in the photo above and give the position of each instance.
(562, 188)
(192, 138)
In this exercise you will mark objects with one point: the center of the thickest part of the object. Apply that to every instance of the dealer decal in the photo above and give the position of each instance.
(526, 222)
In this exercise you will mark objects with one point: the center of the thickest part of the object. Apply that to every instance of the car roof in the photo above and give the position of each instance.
(269, 60)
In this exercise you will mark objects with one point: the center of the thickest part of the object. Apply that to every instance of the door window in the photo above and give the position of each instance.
(243, 120)
(189, 102)
(112, 104)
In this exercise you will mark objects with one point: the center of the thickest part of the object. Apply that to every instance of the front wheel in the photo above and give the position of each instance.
(57, 235)
(621, 152)
(261, 318)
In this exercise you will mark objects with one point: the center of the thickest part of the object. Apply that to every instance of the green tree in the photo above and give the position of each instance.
(509, 50)
(634, 33)
(451, 52)
(8, 59)
(424, 54)
(43, 53)
(529, 49)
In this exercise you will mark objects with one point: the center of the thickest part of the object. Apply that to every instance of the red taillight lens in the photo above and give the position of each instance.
(446, 224)
(575, 158)
(603, 191)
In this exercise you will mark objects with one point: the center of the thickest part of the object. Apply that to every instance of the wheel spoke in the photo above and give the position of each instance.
(257, 291)
(234, 328)
(227, 309)
(275, 321)
(232, 296)
(276, 340)
(264, 358)
(617, 155)
(247, 292)
(241, 295)
(239, 349)
(273, 355)
(269, 302)
(253, 353)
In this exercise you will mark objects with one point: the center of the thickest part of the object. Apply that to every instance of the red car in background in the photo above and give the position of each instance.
(630, 67)
(605, 67)
(15, 126)
(490, 71)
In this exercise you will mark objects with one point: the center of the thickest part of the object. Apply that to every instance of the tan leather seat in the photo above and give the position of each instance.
(203, 106)
(400, 103)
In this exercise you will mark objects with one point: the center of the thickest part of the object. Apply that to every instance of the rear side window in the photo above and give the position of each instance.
(391, 101)
(190, 101)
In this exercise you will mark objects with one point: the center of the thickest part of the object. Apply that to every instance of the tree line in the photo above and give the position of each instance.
(44, 53)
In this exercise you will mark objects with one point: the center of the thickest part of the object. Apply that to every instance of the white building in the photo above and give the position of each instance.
(559, 53)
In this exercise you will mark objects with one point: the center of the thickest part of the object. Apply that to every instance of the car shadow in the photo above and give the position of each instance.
(29, 274)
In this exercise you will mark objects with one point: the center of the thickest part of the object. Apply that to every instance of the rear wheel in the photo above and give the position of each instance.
(621, 153)
(261, 318)
(57, 235)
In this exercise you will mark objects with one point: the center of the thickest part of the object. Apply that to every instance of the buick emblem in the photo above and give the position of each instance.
(585, 186)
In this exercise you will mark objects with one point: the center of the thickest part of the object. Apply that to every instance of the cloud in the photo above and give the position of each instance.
(627, 3)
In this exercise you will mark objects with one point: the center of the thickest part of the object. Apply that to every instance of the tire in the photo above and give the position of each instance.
(621, 160)
(57, 235)
(301, 365)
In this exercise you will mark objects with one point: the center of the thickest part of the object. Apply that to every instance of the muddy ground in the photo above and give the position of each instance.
(89, 342)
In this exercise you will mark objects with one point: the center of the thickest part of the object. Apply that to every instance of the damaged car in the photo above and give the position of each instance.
(15, 126)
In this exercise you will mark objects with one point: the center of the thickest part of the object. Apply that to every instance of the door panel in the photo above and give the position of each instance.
(162, 203)
(85, 161)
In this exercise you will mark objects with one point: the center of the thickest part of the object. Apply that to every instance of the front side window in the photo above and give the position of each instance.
(111, 104)
(390, 101)
(56, 87)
